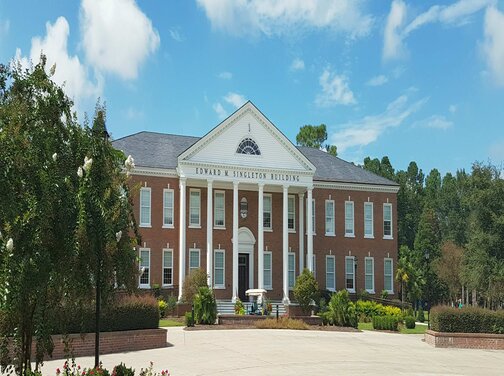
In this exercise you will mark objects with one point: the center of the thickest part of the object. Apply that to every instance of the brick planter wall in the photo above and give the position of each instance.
(110, 342)
(240, 319)
(465, 340)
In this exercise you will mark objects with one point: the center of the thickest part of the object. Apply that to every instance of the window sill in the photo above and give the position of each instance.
(167, 286)
(219, 228)
(368, 236)
(330, 234)
(170, 227)
(351, 291)
(144, 286)
(388, 238)
(390, 291)
(349, 235)
(292, 231)
(371, 292)
(267, 230)
(268, 288)
(219, 287)
(333, 290)
(194, 226)
(145, 226)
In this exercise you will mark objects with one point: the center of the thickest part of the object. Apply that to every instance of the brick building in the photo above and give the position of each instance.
(254, 210)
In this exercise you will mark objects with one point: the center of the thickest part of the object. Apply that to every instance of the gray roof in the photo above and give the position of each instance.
(160, 150)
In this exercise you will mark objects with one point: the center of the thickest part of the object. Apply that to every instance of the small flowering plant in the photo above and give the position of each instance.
(149, 371)
(73, 369)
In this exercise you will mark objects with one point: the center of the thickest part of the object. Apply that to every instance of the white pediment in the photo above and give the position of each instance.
(219, 146)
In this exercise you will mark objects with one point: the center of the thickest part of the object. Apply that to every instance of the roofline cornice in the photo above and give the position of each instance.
(355, 187)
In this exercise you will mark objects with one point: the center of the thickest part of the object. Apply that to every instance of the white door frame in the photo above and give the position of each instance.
(246, 242)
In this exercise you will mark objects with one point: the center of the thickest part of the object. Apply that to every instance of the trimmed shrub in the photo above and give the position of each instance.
(189, 321)
(409, 322)
(420, 316)
(306, 290)
(363, 295)
(366, 309)
(171, 305)
(386, 323)
(205, 306)
(196, 279)
(467, 320)
(392, 311)
(282, 323)
(239, 308)
(409, 312)
(122, 370)
(162, 308)
(341, 310)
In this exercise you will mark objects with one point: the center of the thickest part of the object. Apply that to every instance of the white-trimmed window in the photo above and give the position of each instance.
(291, 213)
(369, 274)
(267, 274)
(194, 208)
(219, 263)
(267, 212)
(313, 216)
(388, 273)
(194, 259)
(349, 219)
(219, 209)
(144, 265)
(329, 218)
(330, 273)
(387, 221)
(145, 207)
(291, 269)
(350, 273)
(368, 220)
(168, 198)
(167, 267)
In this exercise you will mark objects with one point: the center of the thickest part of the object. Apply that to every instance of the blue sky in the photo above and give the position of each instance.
(414, 80)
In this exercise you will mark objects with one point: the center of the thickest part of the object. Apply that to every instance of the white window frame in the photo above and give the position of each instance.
(331, 232)
(217, 226)
(366, 220)
(148, 268)
(350, 234)
(167, 207)
(366, 274)
(191, 208)
(385, 260)
(352, 289)
(145, 190)
(291, 272)
(329, 272)
(223, 284)
(391, 236)
(165, 252)
(195, 250)
(268, 271)
(268, 195)
(291, 214)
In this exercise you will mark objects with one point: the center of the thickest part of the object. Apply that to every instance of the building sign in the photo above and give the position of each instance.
(254, 176)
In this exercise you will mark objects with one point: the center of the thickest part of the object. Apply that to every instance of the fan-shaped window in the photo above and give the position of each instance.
(248, 146)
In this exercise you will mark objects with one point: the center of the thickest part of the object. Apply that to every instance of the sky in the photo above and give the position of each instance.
(414, 80)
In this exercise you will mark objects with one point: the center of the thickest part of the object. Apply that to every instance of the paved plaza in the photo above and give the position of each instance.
(282, 352)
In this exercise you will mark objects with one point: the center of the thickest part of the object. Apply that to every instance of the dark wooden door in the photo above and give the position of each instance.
(243, 275)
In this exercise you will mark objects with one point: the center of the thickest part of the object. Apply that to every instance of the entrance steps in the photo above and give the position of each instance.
(226, 307)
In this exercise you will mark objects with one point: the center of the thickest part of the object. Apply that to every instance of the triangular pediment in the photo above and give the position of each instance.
(220, 146)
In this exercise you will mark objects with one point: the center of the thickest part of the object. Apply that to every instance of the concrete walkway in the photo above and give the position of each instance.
(280, 352)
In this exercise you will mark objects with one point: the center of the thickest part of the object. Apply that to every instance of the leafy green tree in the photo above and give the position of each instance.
(205, 306)
(314, 136)
(306, 290)
(448, 268)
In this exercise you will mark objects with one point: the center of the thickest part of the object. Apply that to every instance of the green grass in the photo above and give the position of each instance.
(419, 329)
(164, 323)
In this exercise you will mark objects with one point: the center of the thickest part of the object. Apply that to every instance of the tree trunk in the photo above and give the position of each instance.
(474, 301)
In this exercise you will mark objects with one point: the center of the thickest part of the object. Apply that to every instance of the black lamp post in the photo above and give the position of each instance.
(355, 274)
(428, 287)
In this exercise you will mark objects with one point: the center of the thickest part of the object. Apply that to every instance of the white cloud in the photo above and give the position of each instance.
(235, 99)
(175, 35)
(493, 45)
(4, 27)
(297, 65)
(335, 90)
(378, 80)
(284, 17)
(362, 132)
(392, 46)
(453, 108)
(69, 70)
(435, 122)
(220, 111)
(117, 36)
(496, 152)
(225, 75)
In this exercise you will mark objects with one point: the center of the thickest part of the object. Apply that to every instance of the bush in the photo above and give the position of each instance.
(205, 306)
(306, 290)
(189, 320)
(420, 316)
(365, 310)
(122, 370)
(386, 323)
(363, 295)
(392, 311)
(162, 308)
(409, 322)
(196, 279)
(384, 294)
(239, 308)
(282, 323)
(156, 290)
(409, 312)
(467, 320)
(171, 305)
(341, 310)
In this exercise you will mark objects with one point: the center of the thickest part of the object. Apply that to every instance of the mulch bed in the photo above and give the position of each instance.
(326, 328)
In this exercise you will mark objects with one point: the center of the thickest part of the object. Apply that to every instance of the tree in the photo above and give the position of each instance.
(314, 136)
(449, 268)
(306, 290)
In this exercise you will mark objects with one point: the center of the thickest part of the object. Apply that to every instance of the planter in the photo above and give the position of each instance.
(486, 341)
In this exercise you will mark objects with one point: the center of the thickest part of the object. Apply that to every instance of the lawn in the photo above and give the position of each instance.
(164, 323)
(419, 329)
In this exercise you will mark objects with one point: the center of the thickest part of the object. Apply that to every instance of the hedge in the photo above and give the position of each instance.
(386, 323)
(466, 320)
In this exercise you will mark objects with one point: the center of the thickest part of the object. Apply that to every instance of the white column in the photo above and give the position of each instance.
(301, 233)
(285, 244)
(235, 241)
(309, 230)
(209, 237)
(182, 234)
(260, 238)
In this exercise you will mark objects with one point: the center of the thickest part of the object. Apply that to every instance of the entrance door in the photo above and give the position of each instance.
(243, 275)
